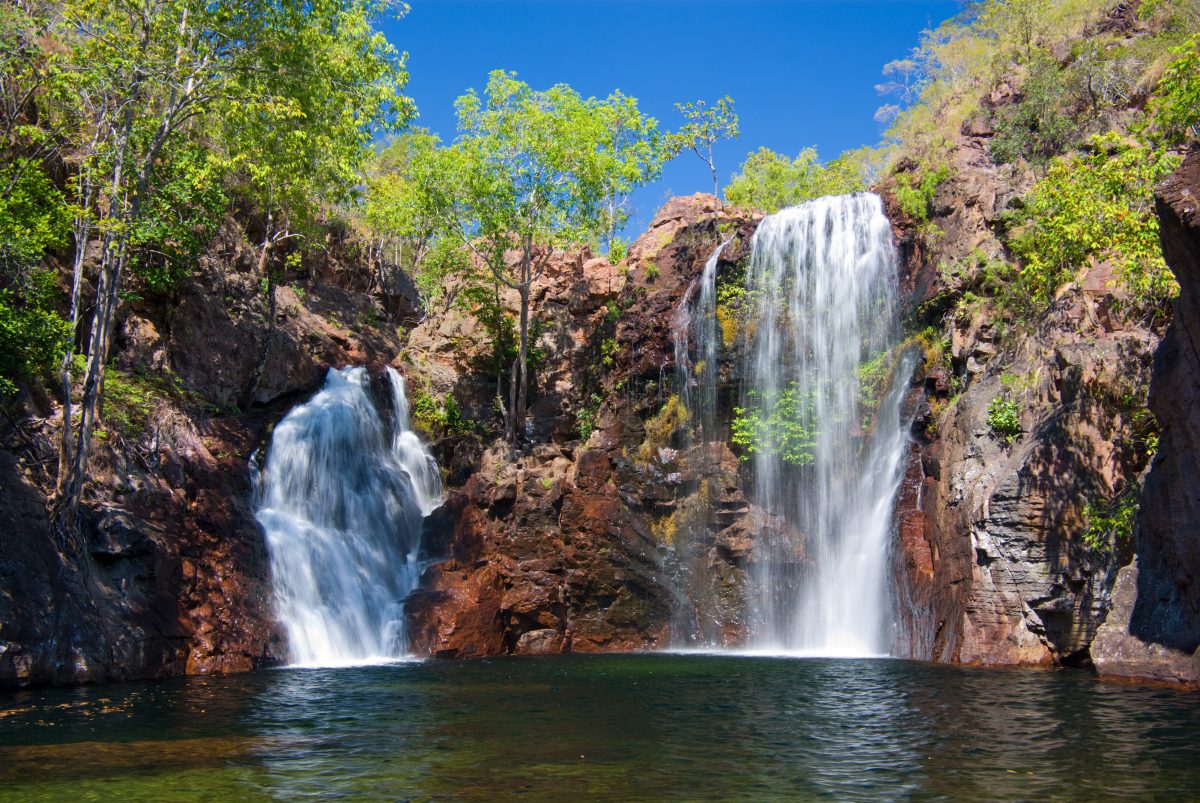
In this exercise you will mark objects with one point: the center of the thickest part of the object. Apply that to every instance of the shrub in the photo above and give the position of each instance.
(608, 351)
(1097, 205)
(585, 421)
(782, 426)
(651, 271)
(1036, 127)
(617, 250)
(33, 217)
(1175, 109)
(916, 199)
(437, 417)
(1110, 521)
(32, 335)
(1003, 416)
(180, 218)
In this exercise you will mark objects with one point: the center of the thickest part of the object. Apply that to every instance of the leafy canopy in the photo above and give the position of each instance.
(541, 165)
(1098, 205)
(770, 181)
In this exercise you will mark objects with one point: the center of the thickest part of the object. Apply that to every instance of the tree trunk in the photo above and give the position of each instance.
(71, 474)
(264, 348)
(716, 183)
(82, 232)
(523, 350)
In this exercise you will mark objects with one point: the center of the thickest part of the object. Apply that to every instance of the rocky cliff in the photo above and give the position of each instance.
(614, 528)
(568, 544)
(1153, 631)
(992, 566)
(168, 574)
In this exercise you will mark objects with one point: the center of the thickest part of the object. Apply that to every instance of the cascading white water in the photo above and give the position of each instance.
(341, 501)
(827, 427)
(695, 323)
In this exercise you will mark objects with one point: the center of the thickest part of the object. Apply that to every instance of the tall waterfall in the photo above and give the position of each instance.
(822, 399)
(342, 497)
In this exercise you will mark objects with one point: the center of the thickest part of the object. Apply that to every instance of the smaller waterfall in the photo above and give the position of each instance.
(697, 323)
(695, 328)
(342, 499)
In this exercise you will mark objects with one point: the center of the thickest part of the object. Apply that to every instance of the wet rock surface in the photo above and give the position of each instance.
(563, 544)
(168, 573)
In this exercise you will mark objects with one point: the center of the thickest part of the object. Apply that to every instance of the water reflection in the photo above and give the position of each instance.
(689, 727)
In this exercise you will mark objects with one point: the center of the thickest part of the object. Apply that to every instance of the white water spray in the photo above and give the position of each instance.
(342, 501)
(824, 396)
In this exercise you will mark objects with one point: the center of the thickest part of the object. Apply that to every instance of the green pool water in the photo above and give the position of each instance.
(618, 727)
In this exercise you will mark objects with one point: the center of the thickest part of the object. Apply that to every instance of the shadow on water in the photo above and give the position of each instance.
(624, 727)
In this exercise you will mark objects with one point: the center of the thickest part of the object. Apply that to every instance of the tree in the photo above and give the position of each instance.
(402, 226)
(303, 108)
(537, 167)
(706, 126)
(770, 181)
(1175, 108)
(645, 150)
(148, 72)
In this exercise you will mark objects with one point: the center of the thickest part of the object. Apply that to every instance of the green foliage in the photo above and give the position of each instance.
(32, 335)
(444, 261)
(133, 397)
(306, 104)
(1098, 205)
(941, 83)
(707, 124)
(608, 351)
(542, 165)
(612, 311)
(179, 219)
(916, 200)
(438, 417)
(934, 344)
(1110, 522)
(1175, 108)
(783, 426)
(618, 249)
(735, 305)
(770, 181)
(662, 428)
(651, 271)
(404, 219)
(874, 376)
(1004, 417)
(1037, 126)
(585, 420)
(33, 216)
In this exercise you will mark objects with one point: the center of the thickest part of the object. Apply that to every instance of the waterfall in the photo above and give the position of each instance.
(342, 498)
(821, 410)
(696, 323)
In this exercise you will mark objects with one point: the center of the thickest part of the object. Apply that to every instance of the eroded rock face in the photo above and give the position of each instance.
(1154, 629)
(990, 565)
(169, 572)
(568, 544)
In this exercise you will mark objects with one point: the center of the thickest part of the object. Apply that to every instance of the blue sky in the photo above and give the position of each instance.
(800, 73)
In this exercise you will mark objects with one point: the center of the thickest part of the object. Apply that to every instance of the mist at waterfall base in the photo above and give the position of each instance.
(342, 497)
(822, 386)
